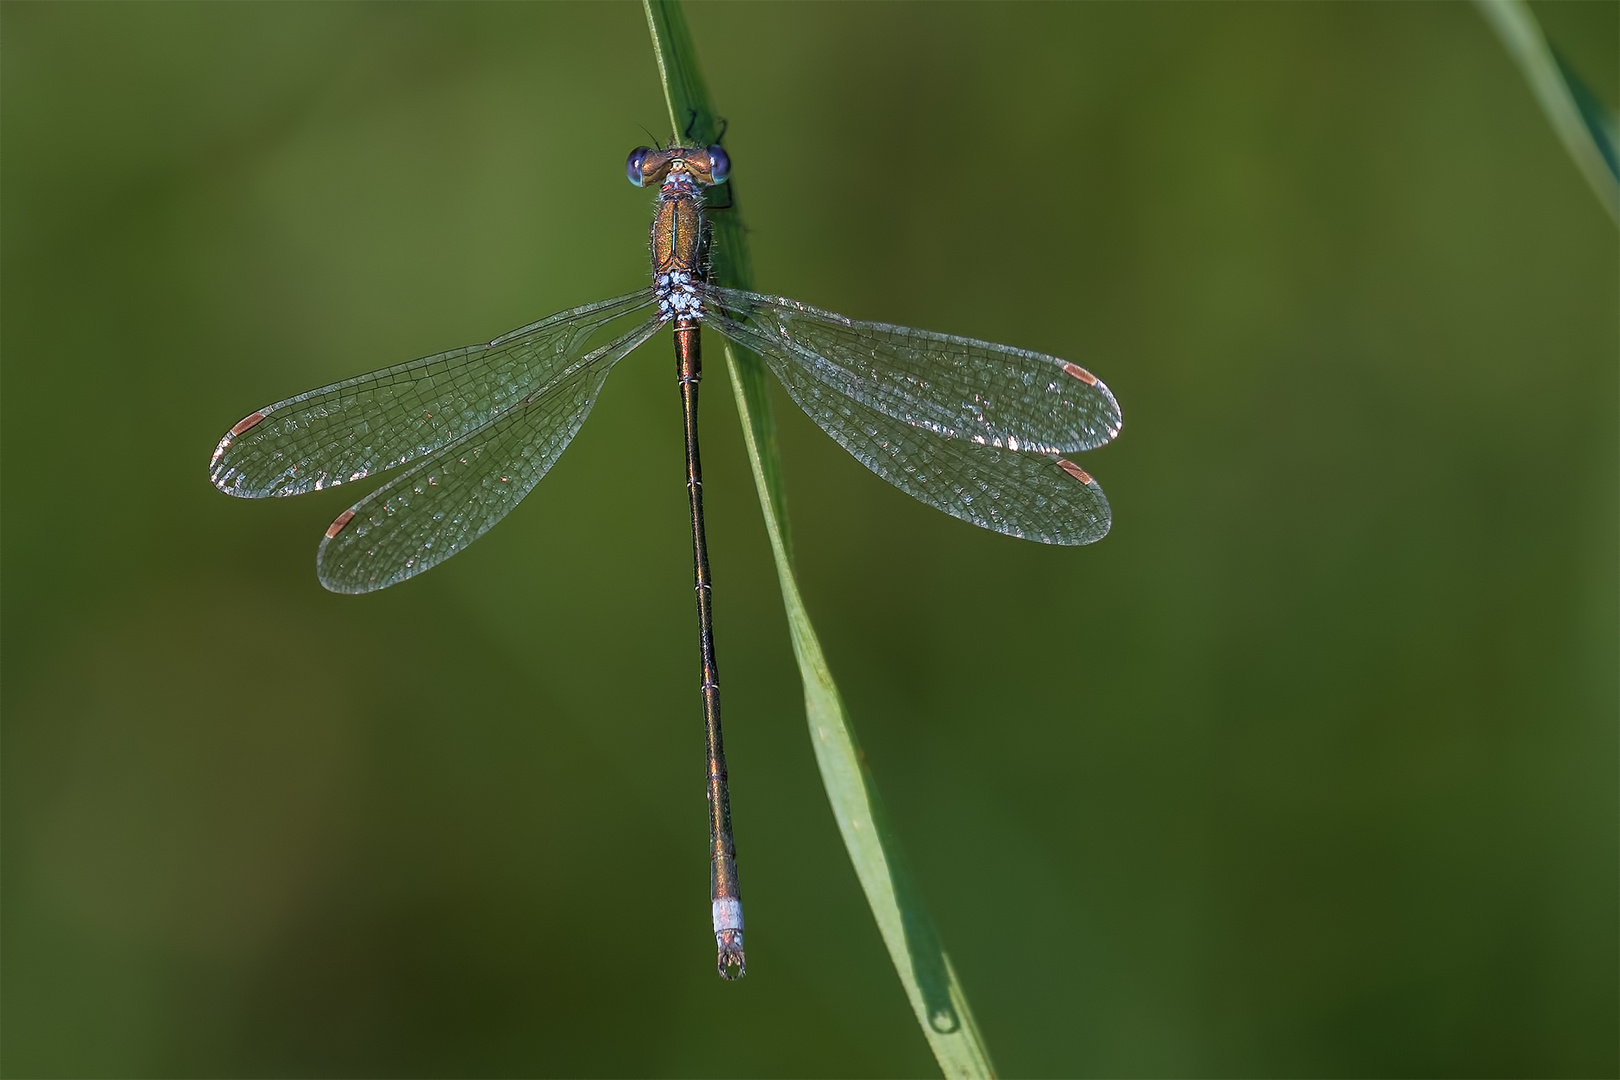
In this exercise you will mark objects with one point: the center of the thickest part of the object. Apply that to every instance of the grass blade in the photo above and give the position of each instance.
(930, 983)
(1586, 129)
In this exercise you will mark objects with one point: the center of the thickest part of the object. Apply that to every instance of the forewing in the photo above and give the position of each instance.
(453, 497)
(1033, 496)
(354, 428)
(988, 394)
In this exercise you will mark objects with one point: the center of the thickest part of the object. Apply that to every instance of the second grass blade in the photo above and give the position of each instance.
(1581, 123)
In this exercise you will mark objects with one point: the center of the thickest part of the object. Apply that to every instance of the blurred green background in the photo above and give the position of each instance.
(1309, 768)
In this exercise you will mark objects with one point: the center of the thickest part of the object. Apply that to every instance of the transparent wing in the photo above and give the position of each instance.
(992, 395)
(1032, 496)
(454, 496)
(351, 429)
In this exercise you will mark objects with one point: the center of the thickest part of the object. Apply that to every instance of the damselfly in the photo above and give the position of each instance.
(975, 429)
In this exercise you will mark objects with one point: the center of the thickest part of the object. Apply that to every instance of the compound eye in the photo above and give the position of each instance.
(632, 165)
(719, 164)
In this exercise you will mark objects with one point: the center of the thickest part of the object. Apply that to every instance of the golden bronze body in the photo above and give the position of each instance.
(678, 245)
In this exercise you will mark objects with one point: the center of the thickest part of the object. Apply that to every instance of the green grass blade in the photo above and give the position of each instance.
(930, 983)
(1586, 129)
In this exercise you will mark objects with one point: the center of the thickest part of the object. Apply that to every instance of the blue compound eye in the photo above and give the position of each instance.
(719, 164)
(632, 165)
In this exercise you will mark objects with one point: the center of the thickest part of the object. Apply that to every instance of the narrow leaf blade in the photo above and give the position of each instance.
(925, 971)
(1580, 122)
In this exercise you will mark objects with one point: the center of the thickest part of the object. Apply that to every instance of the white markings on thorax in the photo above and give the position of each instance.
(677, 296)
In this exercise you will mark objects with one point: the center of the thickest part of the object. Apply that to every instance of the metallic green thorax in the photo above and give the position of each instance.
(677, 228)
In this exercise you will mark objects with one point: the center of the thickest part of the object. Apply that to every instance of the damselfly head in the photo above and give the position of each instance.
(707, 165)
